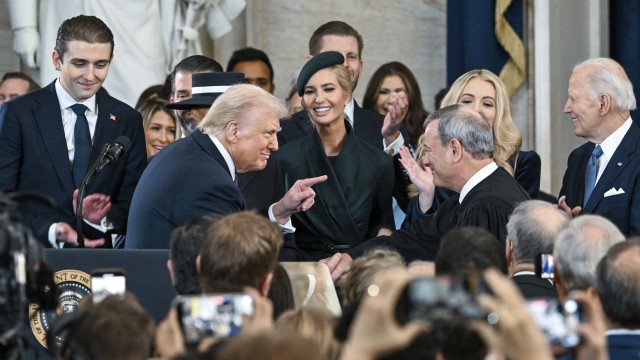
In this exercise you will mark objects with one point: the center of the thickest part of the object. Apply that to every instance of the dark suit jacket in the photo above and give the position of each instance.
(34, 157)
(189, 178)
(355, 201)
(533, 286)
(367, 126)
(488, 205)
(623, 346)
(622, 172)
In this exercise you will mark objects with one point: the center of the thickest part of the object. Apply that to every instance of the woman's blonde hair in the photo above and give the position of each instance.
(315, 324)
(507, 139)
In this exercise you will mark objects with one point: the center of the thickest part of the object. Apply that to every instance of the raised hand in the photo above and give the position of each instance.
(395, 116)
(299, 198)
(94, 207)
(421, 178)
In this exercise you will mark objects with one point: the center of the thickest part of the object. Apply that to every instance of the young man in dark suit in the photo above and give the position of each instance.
(459, 156)
(602, 175)
(531, 230)
(50, 137)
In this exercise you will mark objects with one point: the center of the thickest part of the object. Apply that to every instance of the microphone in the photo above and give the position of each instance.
(109, 155)
(119, 147)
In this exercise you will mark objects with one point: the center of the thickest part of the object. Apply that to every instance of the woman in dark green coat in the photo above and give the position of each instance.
(354, 204)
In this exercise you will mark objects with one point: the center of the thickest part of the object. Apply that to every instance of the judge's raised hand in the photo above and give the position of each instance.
(68, 235)
(94, 207)
(299, 198)
(421, 178)
(562, 205)
(395, 116)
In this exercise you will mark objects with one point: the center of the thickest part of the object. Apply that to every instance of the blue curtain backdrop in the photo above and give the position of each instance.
(471, 39)
(625, 41)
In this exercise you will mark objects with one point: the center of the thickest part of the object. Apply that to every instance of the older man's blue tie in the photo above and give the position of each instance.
(591, 173)
(82, 136)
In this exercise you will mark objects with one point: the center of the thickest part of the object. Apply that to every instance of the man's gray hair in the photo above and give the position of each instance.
(533, 227)
(473, 131)
(580, 247)
(608, 77)
(235, 104)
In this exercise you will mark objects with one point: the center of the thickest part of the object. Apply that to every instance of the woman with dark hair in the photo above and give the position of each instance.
(395, 77)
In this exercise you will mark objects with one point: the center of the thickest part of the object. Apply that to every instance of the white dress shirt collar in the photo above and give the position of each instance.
(477, 178)
(225, 155)
(65, 100)
(348, 110)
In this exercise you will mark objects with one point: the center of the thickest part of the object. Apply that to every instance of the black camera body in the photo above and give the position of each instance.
(442, 299)
(23, 280)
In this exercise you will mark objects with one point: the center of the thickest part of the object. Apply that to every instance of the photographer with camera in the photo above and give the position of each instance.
(23, 280)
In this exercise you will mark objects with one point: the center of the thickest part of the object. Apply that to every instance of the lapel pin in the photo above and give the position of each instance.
(619, 164)
(113, 118)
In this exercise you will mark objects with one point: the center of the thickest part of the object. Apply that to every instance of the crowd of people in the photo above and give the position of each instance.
(221, 173)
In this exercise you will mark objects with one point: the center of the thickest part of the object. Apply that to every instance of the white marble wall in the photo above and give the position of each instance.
(410, 31)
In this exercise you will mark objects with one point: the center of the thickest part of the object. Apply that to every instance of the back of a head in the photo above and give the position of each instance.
(339, 28)
(363, 271)
(239, 250)
(236, 103)
(618, 284)
(313, 323)
(533, 227)
(281, 292)
(608, 77)
(115, 328)
(250, 54)
(184, 248)
(579, 248)
(469, 249)
(281, 345)
(470, 128)
(194, 64)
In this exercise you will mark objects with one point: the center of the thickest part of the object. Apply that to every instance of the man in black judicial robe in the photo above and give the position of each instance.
(459, 151)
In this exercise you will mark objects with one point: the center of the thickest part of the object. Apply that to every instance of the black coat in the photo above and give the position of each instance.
(488, 205)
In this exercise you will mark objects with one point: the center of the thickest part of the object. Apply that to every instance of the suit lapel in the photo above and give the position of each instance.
(210, 148)
(615, 167)
(106, 125)
(49, 121)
